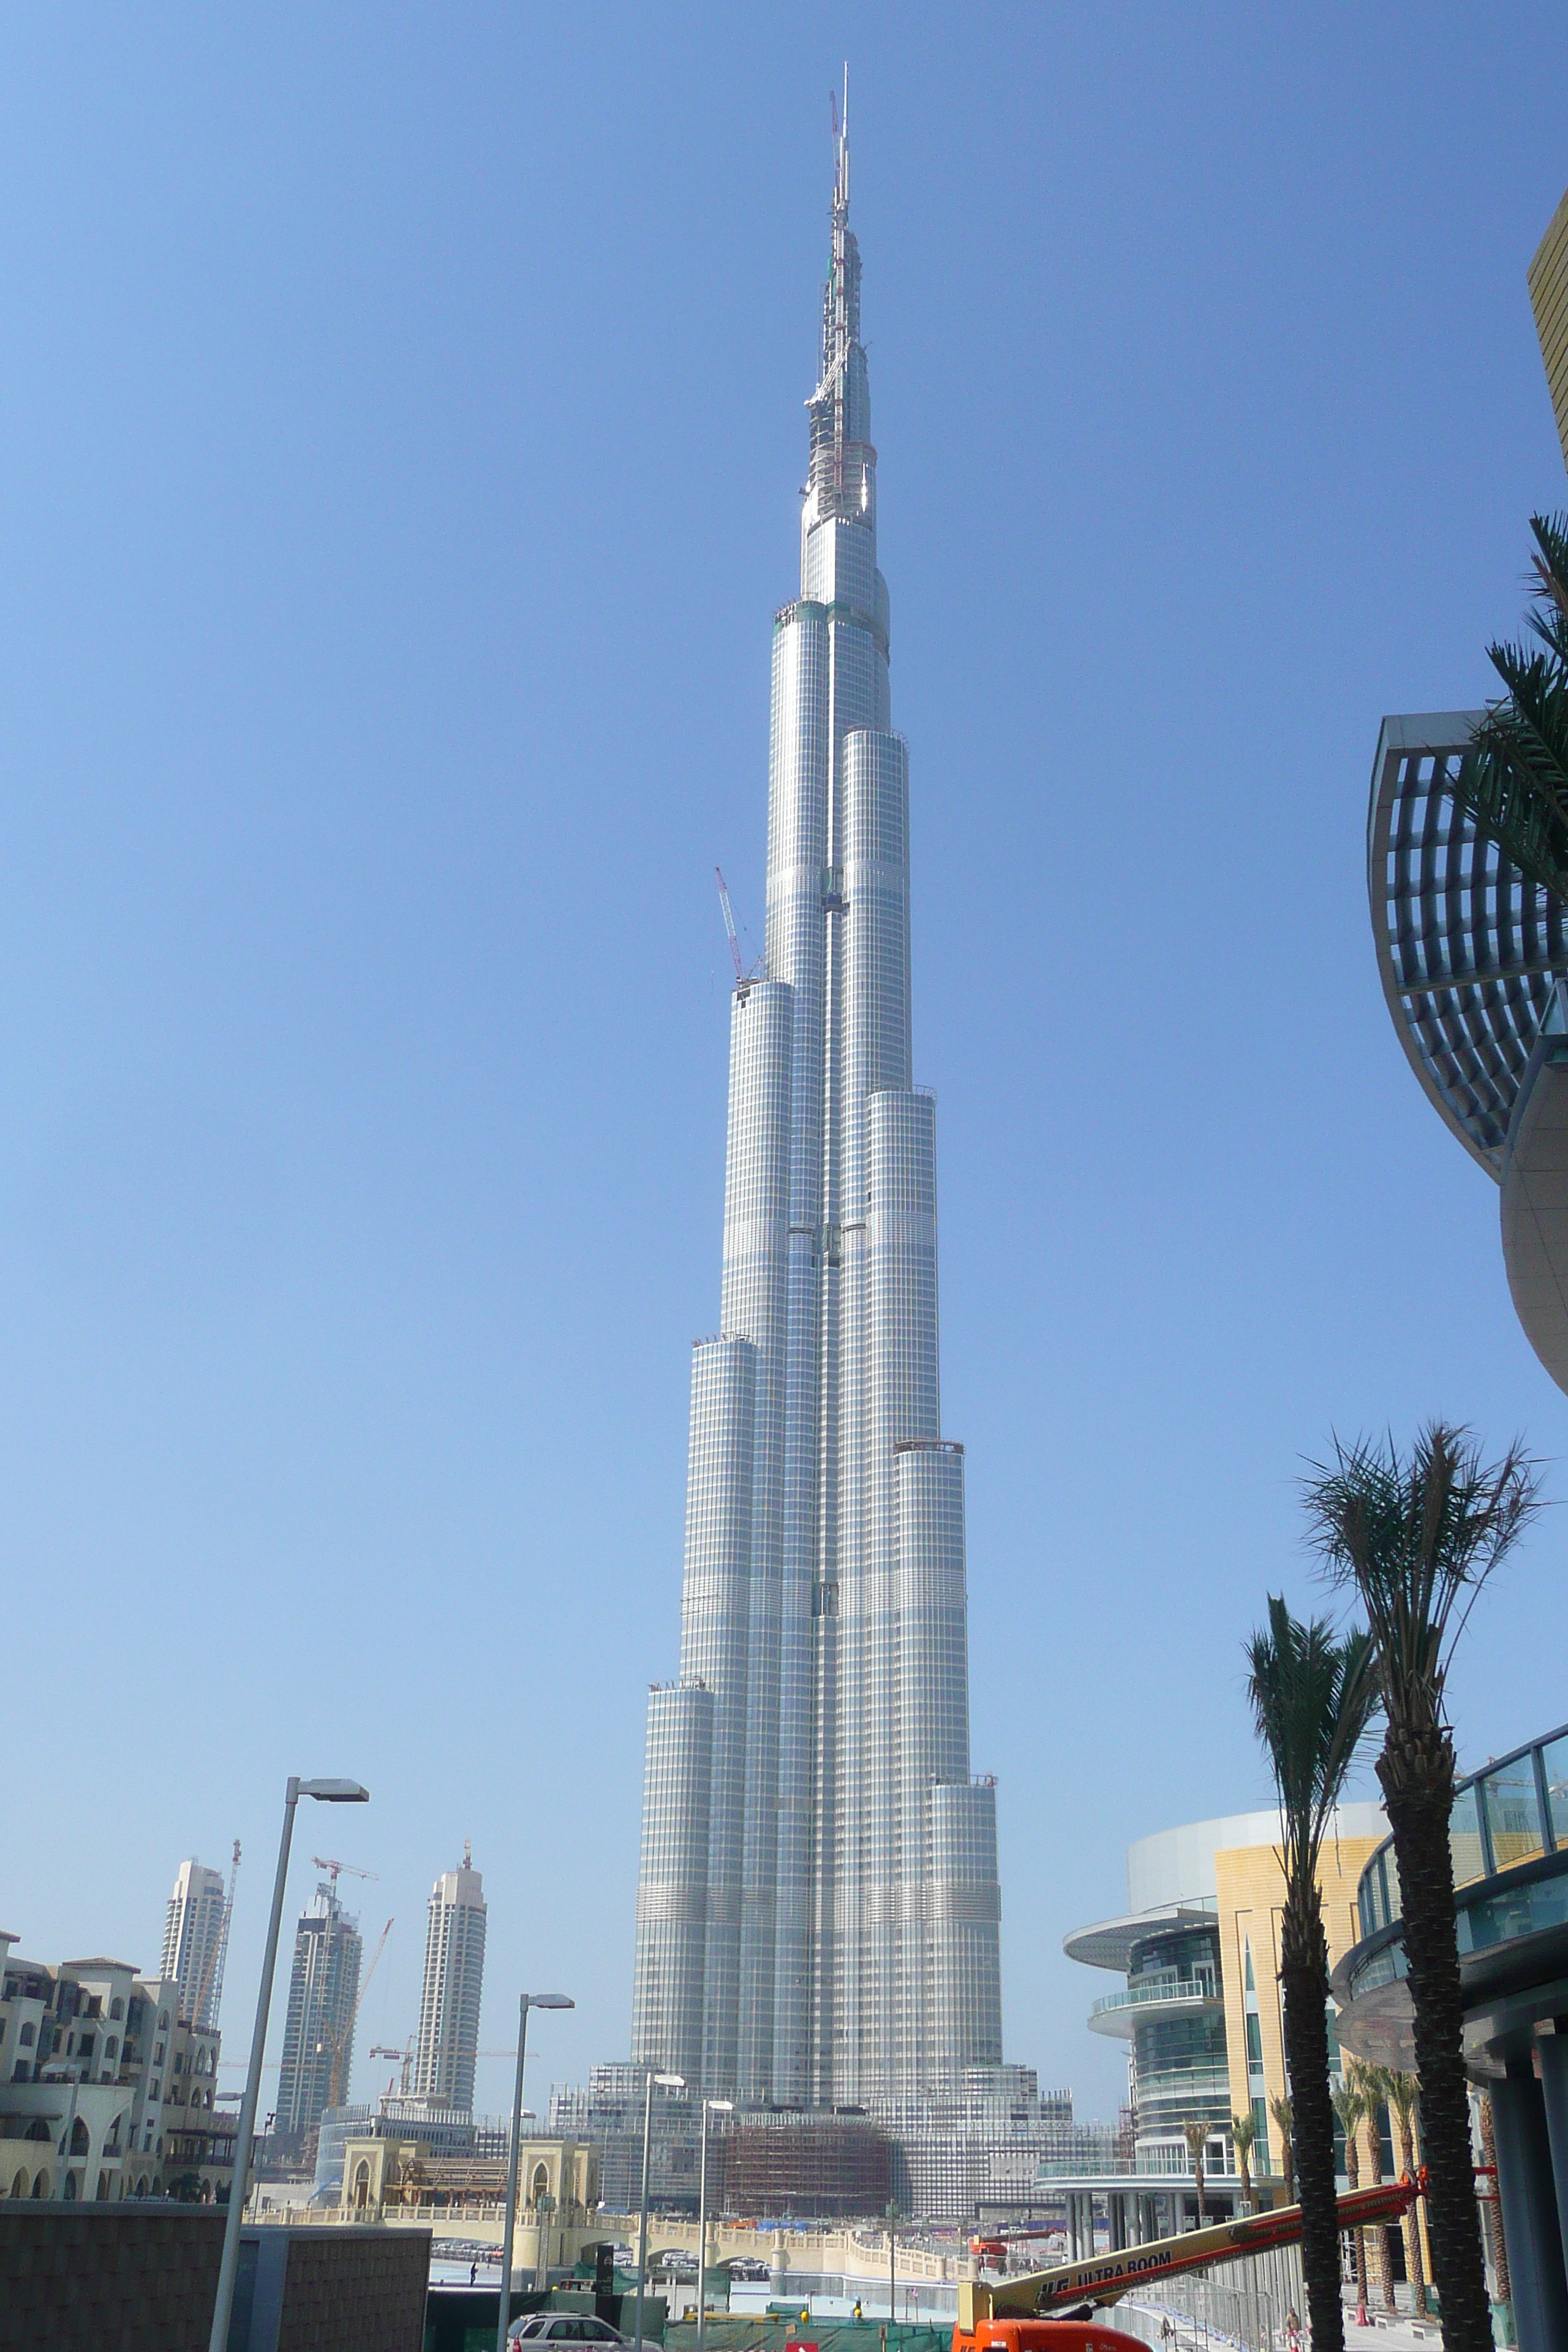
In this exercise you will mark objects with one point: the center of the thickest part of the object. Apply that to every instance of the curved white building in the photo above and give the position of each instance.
(817, 1911)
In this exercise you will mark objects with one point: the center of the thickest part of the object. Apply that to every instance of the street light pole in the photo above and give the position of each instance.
(525, 2002)
(326, 1792)
(544, 2205)
(719, 2106)
(892, 2264)
(673, 2082)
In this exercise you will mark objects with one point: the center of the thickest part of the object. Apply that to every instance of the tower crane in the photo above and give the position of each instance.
(730, 924)
(338, 2043)
(742, 975)
(324, 1861)
(405, 2056)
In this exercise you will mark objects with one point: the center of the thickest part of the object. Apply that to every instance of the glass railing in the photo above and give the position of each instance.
(1163, 1990)
(1514, 1811)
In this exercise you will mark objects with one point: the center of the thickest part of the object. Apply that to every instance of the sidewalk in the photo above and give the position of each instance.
(1381, 2334)
(1384, 2335)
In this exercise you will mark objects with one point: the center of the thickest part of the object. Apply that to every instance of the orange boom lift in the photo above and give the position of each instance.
(1058, 2310)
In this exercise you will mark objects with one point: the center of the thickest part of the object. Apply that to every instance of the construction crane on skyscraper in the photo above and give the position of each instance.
(337, 2043)
(406, 2055)
(322, 1862)
(730, 928)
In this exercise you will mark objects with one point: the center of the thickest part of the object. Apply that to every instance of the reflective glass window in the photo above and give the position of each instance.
(1513, 1815)
(1555, 1759)
(1465, 1838)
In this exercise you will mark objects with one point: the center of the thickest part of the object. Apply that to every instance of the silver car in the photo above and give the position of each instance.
(566, 2327)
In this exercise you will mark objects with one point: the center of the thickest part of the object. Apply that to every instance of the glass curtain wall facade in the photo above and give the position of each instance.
(817, 1913)
(323, 1992)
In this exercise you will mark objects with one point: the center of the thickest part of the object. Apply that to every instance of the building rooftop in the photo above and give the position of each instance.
(1109, 1943)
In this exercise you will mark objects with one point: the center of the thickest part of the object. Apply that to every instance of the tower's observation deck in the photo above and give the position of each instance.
(817, 1908)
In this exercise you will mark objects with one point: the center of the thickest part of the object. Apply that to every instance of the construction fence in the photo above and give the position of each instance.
(1243, 2306)
(735, 2332)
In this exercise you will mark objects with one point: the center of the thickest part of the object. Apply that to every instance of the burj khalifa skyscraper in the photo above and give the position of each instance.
(818, 1906)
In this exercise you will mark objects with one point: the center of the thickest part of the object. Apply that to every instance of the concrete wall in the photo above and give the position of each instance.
(143, 2278)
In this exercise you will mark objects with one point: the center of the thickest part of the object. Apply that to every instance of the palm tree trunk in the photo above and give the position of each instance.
(1381, 2261)
(1413, 2262)
(1358, 2237)
(1304, 1978)
(1494, 2207)
(1418, 1779)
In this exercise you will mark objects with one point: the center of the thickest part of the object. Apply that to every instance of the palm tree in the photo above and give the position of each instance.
(1373, 2083)
(1196, 2136)
(1417, 1540)
(1242, 2131)
(1284, 2117)
(1494, 2204)
(1313, 1696)
(1350, 2108)
(1514, 778)
(1403, 2093)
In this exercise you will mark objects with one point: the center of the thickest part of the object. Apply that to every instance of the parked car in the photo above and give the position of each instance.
(570, 2327)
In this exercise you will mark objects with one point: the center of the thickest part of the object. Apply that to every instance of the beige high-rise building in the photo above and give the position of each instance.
(1548, 280)
(194, 1940)
(454, 1981)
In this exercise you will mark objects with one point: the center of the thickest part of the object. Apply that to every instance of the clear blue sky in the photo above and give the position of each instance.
(400, 427)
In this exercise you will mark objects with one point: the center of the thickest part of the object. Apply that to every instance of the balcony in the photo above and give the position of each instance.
(1508, 1842)
(1147, 1998)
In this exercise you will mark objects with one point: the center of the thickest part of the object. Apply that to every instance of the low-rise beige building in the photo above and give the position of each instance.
(95, 2056)
(397, 2171)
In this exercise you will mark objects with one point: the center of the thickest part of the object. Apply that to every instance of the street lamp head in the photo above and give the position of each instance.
(723, 2107)
(671, 2082)
(548, 2001)
(336, 1792)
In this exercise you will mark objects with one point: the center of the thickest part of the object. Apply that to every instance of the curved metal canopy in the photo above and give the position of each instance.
(1467, 946)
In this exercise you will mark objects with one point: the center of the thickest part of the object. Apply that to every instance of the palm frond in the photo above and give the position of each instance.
(1312, 1699)
(1548, 576)
(1412, 1537)
(1402, 2091)
(1513, 777)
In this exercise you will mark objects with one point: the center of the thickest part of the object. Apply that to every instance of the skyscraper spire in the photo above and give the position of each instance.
(817, 1908)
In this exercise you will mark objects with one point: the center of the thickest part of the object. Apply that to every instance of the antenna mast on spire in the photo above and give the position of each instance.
(840, 121)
